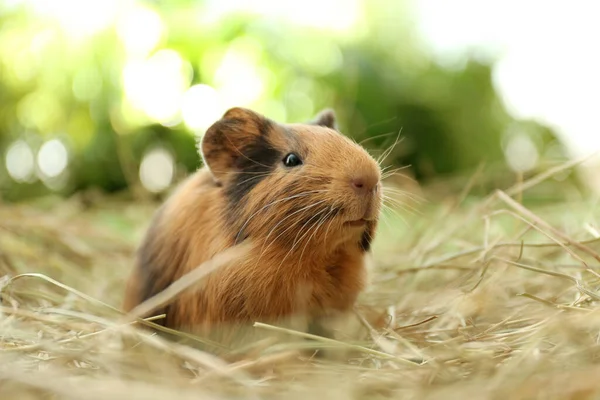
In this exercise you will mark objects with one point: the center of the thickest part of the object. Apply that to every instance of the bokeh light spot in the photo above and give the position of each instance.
(521, 153)
(156, 85)
(52, 158)
(238, 78)
(20, 162)
(157, 169)
(140, 30)
(201, 107)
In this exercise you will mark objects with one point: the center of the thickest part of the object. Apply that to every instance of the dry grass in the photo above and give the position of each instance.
(480, 298)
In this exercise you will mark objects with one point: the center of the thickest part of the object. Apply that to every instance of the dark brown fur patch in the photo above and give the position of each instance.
(258, 158)
(367, 237)
(157, 270)
(224, 142)
(365, 242)
(334, 272)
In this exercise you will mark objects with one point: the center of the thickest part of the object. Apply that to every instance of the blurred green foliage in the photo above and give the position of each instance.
(382, 83)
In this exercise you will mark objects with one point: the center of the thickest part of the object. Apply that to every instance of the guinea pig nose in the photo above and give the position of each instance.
(363, 185)
(358, 183)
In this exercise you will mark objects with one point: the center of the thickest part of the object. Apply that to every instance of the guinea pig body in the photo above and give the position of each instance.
(307, 199)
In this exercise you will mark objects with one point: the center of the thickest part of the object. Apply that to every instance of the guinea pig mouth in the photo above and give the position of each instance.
(358, 222)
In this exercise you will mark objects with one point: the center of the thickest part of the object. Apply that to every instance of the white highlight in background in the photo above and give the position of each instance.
(156, 85)
(52, 158)
(20, 162)
(520, 153)
(201, 107)
(238, 79)
(140, 30)
(157, 170)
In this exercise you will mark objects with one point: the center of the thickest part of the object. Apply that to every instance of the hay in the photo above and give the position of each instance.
(487, 298)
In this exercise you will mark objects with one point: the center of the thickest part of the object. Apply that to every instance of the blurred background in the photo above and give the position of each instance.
(113, 95)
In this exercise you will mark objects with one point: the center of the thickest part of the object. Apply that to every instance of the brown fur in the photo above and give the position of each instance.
(305, 258)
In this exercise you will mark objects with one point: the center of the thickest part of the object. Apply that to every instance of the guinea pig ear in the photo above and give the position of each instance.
(325, 118)
(230, 140)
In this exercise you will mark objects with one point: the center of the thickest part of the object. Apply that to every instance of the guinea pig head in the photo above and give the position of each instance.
(293, 184)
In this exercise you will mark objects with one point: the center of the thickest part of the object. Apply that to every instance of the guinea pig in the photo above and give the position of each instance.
(305, 196)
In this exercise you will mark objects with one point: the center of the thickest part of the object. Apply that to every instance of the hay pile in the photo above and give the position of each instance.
(478, 298)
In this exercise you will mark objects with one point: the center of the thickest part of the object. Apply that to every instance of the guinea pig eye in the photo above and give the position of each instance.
(291, 160)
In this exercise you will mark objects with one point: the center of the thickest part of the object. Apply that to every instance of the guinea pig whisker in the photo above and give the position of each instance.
(387, 224)
(385, 178)
(333, 212)
(320, 223)
(238, 172)
(253, 177)
(387, 172)
(263, 250)
(393, 189)
(303, 194)
(403, 206)
(396, 213)
(378, 136)
(387, 168)
(296, 241)
(389, 203)
(368, 235)
(402, 176)
(389, 150)
(402, 202)
(314, 226)
(403, 193)
(386, 207)
(316, 178)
